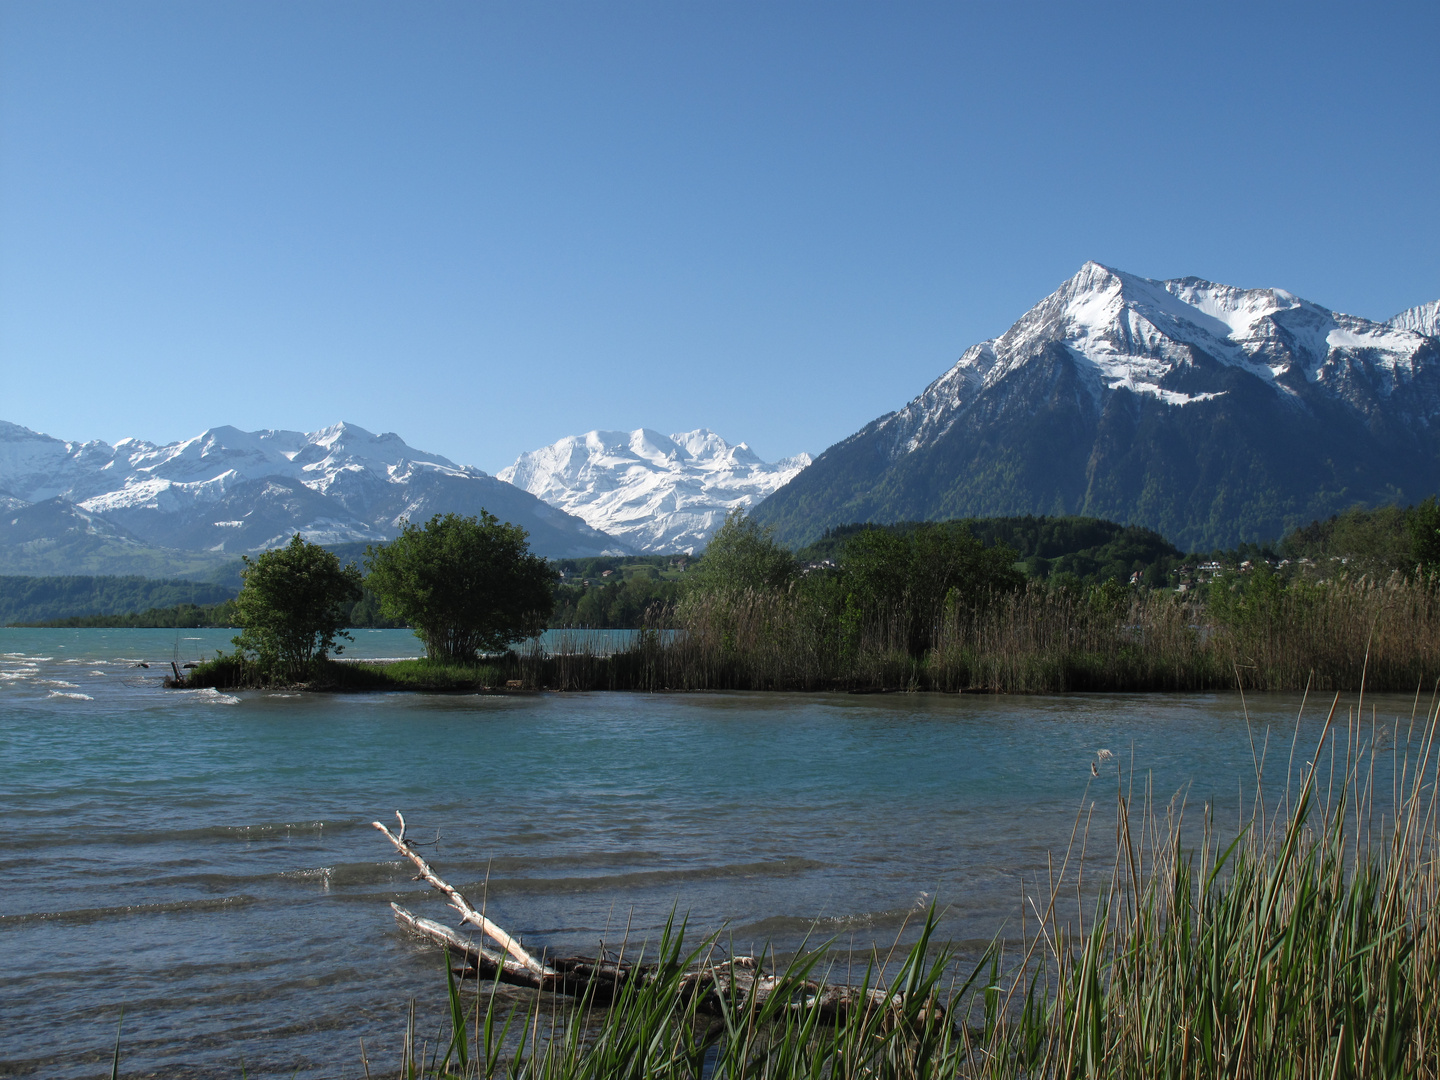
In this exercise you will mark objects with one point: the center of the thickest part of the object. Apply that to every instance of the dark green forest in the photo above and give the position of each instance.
(627, 591)
(33, 599)
(1089, 549)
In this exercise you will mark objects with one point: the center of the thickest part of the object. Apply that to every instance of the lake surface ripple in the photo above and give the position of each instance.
(205, 860)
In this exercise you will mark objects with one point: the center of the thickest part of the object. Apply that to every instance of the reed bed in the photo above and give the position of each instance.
(1300, 946)
(1033, 640)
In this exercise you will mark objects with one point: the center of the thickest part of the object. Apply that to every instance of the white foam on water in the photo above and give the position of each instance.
(56, 682)
(213, 696)
(69, 697)
(97, 673)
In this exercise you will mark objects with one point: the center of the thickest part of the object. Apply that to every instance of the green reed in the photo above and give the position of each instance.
(1300, 946)
(1035, 640)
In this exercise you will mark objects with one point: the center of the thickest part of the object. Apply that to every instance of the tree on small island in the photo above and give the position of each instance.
(294, 603)
(465, 584)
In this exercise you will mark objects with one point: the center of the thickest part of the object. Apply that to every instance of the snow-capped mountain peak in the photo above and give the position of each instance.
(660, 493)
(1172, 340)
(226, 455)
(1208, 412)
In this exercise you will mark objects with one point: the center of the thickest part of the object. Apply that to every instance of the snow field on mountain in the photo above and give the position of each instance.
(658, 493)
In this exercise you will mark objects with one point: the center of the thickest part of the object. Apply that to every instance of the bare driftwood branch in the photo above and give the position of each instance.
(602, 980)
(459, 903)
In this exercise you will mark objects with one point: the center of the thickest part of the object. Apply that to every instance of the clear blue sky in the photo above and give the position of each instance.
(488, 225)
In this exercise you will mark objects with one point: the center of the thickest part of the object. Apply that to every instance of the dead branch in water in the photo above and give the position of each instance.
(601, 980)
(460, 904)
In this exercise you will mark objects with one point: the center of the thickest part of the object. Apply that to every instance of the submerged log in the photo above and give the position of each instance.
(600, 980)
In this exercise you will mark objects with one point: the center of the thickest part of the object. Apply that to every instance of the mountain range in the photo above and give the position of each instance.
(138, 507)
(656, 493)
(1209, 413)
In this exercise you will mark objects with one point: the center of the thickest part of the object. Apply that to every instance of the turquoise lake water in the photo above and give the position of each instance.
(205, 860)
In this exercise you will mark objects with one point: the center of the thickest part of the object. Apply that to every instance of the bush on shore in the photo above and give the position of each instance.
(465, 584)
(232, 672)
(293, 607)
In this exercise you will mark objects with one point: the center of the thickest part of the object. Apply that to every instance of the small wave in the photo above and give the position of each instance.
(69, 697)
(83, 915)
(16, 676)
(644, 879)
(378, 873)
(279, 830)
(215, 697)
(97, 673)
(57, 682)
(783, 927)
(285, 695)
(321, 874)
(23, 841)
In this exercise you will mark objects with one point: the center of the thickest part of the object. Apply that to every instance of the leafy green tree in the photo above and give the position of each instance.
(741, 556)
(1370, 541)
(294, 603)
(465, 584)
(1423, 524)
(908, 580)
